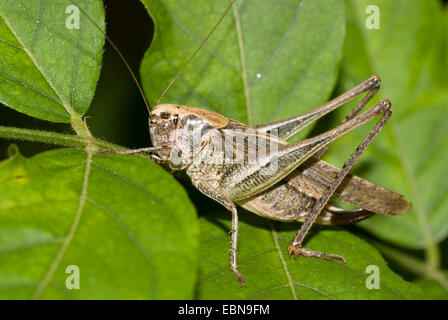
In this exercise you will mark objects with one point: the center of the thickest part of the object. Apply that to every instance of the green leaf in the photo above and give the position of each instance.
(47, 70)
(129, 227)
(267, 60)
(410, 155)
(271, 274)
(445, 13)
(432, 290)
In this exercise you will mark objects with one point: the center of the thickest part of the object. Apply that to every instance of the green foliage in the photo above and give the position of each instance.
(116, 218)
(121, 224)
(36, 46)
(129, 226)
(272, 274)
(432, 289)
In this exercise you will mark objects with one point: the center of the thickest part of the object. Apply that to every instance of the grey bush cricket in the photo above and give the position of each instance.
(300, 186)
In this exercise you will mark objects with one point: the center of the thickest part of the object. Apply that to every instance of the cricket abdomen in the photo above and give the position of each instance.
(285, 202)
(293, 198)
(316, 175)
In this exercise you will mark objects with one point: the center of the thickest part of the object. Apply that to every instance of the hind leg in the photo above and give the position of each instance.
(295, 247)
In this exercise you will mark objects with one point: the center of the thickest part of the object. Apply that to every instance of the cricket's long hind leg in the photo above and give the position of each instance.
(241, 182)
(286, 128)
(336, 217)
(295, 247)
(372, 90)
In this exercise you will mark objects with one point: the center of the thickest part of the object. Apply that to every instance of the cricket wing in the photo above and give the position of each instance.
(285, 202)
(253, 162)
(314, 176)
(293, 198)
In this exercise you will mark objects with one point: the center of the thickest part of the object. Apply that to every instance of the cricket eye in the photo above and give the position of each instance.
(165, 115)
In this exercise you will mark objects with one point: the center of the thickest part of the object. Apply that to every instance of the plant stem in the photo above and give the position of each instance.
(433, 255)
(67, 140)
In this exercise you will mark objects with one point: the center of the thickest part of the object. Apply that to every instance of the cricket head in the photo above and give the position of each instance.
(168, 122)
(180, 132)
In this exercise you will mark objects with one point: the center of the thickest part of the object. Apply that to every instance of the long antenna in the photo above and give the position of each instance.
(196, 52)
(120, 55)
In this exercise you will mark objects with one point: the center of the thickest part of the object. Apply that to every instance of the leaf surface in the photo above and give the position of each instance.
(272, 274)
(47, 70)
(267, 60)
(128, 230)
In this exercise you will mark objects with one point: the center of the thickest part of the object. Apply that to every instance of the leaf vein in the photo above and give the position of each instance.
(284, 265)
(10, 44)
(137, 186)
(38, 26)
(27, 86)
(58, 258)
(126, 230)
(35, 61)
